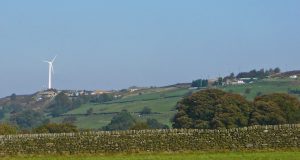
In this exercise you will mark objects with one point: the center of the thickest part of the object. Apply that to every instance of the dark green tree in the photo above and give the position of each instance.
(146, 110)
(13, 97)
(28, 119)
(70, 119)
(56, 128)
(154, 124)
(200, 83)
(122, 121)
(139, 126)
(277, 108)
(61, 104)
(7, 129)
(212, 109)
(90, 111)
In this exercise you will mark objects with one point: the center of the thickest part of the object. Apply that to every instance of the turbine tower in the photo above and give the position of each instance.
(51, 71)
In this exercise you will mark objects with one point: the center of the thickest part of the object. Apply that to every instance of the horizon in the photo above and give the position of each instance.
(115, 45)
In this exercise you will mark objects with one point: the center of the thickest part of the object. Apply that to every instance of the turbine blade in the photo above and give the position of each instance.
(54, 59)
(46, 61)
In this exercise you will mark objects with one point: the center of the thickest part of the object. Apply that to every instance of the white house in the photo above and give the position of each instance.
(294, 76)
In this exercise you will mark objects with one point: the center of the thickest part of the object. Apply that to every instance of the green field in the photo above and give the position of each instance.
(266, 86)
(174, 156)
(163, 101)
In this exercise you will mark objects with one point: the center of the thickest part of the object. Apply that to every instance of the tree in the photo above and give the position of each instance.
(90, 111)
(101, 98)
(28, 119)
(212, 109)
(154, 124)
(266, 113)
(277, 108)
(6, 129)
(146, 110)
(277, 70)
(121, 121)
(13, 97)
(139, 126)
(61, 105)
(2, 113)
(56, 128)
(200, 83)
(247, 90)
(70, 119)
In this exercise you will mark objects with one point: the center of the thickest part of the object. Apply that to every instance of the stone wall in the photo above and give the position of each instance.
(251, 138)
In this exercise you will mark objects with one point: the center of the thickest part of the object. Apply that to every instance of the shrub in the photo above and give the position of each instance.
(6, 129)
(56, 128)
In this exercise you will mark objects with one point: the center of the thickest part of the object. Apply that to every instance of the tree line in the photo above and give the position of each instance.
(259, 74)
(212, 109)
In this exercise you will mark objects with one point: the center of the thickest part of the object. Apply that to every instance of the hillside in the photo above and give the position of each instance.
(161, 100)
(265, 86)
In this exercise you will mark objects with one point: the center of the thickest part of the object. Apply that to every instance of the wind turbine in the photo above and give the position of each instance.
(51, 71)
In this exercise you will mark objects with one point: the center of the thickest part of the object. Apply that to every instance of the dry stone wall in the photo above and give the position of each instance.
(250, 138)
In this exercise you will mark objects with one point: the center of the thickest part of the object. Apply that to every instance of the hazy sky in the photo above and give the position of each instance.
(116, 44)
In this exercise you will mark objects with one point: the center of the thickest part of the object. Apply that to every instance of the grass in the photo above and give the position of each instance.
(266, 86)
(280, 155)
(164, 100)
(161, 101)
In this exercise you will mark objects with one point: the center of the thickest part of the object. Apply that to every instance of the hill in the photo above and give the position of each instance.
(265, 86)
(161, 100)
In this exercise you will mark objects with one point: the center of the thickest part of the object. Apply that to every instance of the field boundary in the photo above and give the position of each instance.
(279, 137)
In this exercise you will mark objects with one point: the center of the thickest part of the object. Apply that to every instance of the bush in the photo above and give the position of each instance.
(6, 129)
(140, 126)
(277, 108)
(122, 121)
(56, 128)
(146, 110)
(154, 124)
(210, 109)
(28, 119)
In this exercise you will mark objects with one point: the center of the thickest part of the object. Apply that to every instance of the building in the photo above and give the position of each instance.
(99, 92)
(294, 76)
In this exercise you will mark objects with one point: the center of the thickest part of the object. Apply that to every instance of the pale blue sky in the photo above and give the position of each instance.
(115, 44)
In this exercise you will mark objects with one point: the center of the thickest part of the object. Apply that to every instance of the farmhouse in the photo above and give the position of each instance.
(293, 76)
(235, 82)
(99, 92)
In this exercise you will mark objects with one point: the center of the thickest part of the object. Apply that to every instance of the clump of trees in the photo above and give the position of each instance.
(262, 73)
(7, 129)
(125, 121)
(146, 110)
(200, 83)
(28, 119)
(56, 128)
(62, 104)
(277, 108)
(212, 108)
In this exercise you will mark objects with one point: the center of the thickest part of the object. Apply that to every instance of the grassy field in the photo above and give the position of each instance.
(161, 101)
(164, 100)
(174, 156)
(266, 86)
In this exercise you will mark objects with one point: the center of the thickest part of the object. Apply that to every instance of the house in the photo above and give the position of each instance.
(235, 82)
(47, 94)
(293, 76)
(99, 92)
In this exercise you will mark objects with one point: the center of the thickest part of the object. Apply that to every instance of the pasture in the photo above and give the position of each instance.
(162, 102)
(268, 155)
